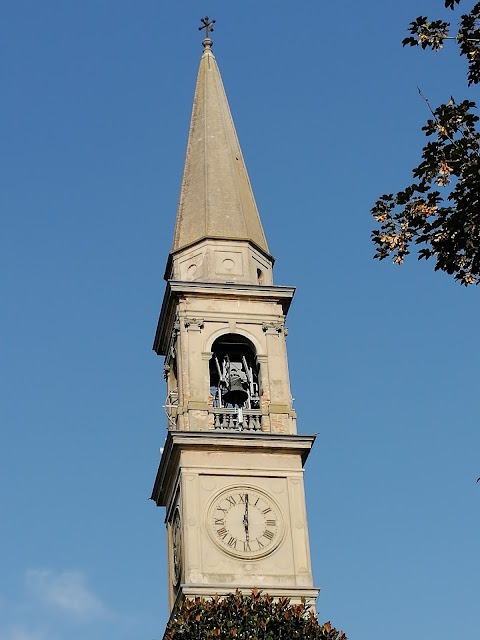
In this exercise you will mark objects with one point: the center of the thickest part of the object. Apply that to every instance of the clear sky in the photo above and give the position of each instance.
(94, 114)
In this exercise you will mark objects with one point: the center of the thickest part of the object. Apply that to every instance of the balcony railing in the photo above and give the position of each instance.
(237, 420)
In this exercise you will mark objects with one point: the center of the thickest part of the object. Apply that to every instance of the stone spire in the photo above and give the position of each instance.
(216, 198)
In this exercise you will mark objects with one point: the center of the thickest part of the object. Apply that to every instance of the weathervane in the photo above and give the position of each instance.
(207, 25)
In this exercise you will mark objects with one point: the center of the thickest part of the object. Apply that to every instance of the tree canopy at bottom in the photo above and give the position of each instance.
(256, 616)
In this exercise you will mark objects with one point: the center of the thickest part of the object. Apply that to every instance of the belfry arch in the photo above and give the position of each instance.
(234, 373)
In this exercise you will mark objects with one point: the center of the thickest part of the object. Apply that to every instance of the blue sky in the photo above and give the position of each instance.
(95, 107)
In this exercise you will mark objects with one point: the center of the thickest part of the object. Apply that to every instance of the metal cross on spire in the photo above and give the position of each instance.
(207, 25)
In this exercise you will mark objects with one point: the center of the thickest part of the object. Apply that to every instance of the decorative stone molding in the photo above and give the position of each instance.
(197, 405)
(194, 324)
(279, 408)
(274, 328)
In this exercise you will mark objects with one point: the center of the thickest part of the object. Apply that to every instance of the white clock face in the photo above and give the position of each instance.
(245, 522)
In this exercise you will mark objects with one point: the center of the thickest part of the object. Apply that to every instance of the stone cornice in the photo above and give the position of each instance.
(178, 288)
(224, 440)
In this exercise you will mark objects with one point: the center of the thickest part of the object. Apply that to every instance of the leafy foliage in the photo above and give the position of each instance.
(441, 210)
(432, 34)
(247, 617)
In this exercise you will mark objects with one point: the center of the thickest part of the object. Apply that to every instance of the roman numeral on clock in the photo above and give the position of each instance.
(268, 534)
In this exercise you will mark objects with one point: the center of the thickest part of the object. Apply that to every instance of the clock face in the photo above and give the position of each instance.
(176, 547)
(245, 522)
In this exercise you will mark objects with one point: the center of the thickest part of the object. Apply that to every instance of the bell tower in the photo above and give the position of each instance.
(231, 471)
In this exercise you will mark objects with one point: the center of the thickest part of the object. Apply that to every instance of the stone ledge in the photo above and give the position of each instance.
(207, 591)
(221, 440)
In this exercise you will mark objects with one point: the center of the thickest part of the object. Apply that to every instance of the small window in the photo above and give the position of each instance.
(259, 276)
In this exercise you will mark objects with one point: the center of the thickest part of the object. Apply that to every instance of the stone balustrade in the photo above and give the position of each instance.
(229, 419)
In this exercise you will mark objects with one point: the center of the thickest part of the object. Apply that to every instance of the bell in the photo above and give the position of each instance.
(236, 394)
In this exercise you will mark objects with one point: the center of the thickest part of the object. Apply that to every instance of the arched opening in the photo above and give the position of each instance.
(234, 373)
(259, 276)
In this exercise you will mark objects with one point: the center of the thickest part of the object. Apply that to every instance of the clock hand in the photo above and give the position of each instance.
(245, 519)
